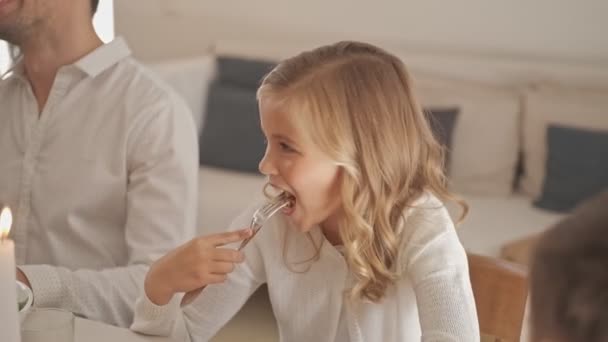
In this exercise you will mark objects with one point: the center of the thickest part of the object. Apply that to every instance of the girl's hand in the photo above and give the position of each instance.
(195, 264)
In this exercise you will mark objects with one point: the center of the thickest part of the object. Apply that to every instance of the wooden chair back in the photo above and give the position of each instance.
(501, 290)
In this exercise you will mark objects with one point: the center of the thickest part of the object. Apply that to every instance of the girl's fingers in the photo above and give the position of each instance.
(215, 278)
(222, 267)
(228, 237)
(227, 255)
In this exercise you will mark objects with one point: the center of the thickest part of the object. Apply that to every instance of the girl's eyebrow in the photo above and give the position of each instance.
(283, 137)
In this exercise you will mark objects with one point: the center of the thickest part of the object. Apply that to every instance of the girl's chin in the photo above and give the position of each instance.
(301, 225)
(295, 215)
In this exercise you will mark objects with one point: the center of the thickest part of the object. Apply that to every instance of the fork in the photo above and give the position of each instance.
(259, 217)
(264, 213)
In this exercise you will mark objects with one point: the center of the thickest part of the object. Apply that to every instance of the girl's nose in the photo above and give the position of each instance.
(267, 166)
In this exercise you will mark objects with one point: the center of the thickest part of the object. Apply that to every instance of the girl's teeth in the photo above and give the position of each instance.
(292, 200)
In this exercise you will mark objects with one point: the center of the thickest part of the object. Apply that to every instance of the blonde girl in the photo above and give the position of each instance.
(365, 251)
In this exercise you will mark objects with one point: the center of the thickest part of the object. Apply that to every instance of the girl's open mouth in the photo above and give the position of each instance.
(291, 207)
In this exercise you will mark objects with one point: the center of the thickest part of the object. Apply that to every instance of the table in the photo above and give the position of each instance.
(91, 331)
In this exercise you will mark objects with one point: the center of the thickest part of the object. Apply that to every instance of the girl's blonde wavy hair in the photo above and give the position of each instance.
(355, 101)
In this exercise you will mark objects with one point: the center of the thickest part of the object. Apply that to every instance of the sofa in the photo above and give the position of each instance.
(498, 158)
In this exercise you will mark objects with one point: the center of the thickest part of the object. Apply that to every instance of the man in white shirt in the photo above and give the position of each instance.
(98, 161)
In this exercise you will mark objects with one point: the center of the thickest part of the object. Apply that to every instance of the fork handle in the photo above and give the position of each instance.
(191, 295)
(247, 240)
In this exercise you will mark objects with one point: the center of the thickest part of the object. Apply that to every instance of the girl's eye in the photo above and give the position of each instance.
(286, 147)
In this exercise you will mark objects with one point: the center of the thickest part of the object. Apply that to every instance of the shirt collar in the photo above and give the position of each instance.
(103, 57)
(16, 70)
(92, 64)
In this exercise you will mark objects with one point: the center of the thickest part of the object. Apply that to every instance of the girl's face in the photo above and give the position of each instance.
(297, 166)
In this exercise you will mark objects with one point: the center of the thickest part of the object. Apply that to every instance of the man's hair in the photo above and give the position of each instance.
(94, 4)
(569, 277)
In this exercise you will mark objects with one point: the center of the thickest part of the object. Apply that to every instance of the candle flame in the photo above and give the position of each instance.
(6, 220)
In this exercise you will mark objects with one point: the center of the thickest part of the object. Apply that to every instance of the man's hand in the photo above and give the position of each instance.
(195, 264)
(22, 278)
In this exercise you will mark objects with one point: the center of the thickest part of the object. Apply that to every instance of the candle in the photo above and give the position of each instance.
(9, 313)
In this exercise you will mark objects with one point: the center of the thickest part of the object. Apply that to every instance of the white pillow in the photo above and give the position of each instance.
(544, 105)
(485, 142)
(190, 78)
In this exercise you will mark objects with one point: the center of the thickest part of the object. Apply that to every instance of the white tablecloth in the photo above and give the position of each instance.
(91, 331)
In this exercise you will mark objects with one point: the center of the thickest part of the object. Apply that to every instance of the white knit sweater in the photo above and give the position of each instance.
(432, 301)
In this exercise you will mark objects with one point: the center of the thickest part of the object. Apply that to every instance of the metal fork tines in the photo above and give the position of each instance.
(264, 213)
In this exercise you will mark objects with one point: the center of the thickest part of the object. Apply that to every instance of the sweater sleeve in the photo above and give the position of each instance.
(436, 264)
(214, 307)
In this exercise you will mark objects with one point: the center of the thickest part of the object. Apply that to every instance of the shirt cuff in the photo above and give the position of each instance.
(47, 287)
(152, 312)
(152, 319)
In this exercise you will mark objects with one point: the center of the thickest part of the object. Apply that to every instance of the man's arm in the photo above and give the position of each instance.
(162, 158)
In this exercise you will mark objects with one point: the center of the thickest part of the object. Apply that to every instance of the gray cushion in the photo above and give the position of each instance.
(442, 121)
(231, 137)
(242, 72)
(576, 169)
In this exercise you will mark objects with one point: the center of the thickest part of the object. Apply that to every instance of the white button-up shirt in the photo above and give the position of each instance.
(101, 183)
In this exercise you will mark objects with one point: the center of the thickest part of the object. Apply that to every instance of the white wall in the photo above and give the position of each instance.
(560, 29)
(104, 20)
(4, 57)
